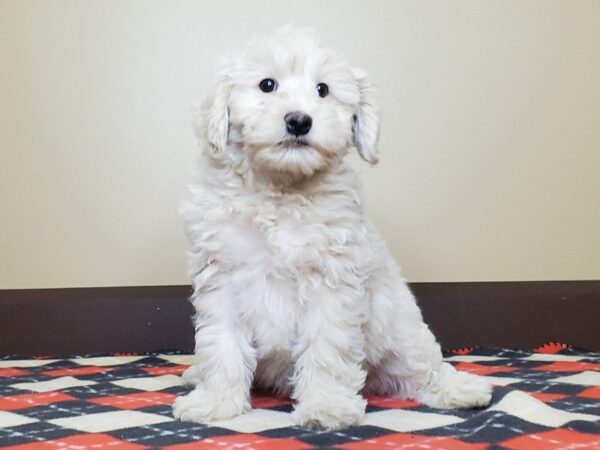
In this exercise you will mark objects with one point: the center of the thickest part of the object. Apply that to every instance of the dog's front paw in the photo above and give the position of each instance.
(202, 406)
(330, 413)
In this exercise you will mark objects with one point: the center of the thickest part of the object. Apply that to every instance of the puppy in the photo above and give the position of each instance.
(293, 288)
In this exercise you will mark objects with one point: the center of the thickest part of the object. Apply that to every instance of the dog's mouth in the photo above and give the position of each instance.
(294, 143)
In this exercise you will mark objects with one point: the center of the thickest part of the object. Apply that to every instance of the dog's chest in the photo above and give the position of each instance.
(280, 243)
(293, 236)
(271, 249)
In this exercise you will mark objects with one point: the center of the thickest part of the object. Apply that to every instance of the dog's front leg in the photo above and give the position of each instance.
(225, 363)
(328, 372)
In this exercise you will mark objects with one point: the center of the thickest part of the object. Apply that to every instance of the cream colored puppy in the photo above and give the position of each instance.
(294, 289)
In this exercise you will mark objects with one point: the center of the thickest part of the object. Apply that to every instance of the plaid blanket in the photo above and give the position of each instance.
(548, 399)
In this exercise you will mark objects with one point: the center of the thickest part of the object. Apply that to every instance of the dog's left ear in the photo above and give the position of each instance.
(366, 119)
(217, 116)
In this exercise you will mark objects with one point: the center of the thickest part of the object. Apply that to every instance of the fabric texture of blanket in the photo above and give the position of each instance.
(547, 399)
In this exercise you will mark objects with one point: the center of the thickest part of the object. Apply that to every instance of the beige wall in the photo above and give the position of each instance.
(490, 139)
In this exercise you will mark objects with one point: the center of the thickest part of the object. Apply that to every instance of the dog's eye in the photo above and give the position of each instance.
(268, 85)
(322, 89)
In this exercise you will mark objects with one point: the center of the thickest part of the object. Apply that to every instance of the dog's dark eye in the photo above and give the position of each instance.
(268, 85)
(322, 89)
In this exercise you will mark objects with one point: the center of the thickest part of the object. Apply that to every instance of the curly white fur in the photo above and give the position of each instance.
(293, 288)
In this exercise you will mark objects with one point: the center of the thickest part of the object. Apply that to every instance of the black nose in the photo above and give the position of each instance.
(298, 123)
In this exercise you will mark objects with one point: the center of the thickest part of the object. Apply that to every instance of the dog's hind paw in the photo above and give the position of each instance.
(457, 390)
(330, 414)
(201, 406)
(190, 377)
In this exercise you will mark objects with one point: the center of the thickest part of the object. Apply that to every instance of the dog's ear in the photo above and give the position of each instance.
(217, 115)
(366, 119)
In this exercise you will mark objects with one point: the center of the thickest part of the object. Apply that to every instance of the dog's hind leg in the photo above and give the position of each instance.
(191, 376)
(403, 356)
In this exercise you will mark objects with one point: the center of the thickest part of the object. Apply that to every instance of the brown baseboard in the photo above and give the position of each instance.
(95, 320)
(151, 318)
(522, 314)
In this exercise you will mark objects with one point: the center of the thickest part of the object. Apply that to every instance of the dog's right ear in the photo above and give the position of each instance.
(217, 116)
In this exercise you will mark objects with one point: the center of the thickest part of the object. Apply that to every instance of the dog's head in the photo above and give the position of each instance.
(288, 106)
